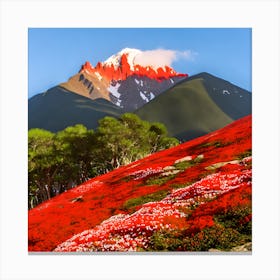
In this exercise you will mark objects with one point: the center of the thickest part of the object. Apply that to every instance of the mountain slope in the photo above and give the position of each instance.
(198, 105)
(192, 192)
(58, 108)
(188, 106)
(233, 100)
(128, 94)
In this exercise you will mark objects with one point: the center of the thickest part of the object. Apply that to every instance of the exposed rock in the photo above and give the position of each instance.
(77, 199)
(187, 158)
(247, 247)
(171, 172)
(220, 164)
(214, 250)
(125, 69)
(169, 167)
(200, 157)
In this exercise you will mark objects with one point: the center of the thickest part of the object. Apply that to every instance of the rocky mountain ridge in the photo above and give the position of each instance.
(123, 82)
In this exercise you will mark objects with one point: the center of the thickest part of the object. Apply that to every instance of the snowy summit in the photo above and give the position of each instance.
(115, 59)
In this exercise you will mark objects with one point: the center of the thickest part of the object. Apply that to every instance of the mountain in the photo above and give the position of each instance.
(196, 196)
(188, 106)
(58, 108)
(122, 81)
(198, 105)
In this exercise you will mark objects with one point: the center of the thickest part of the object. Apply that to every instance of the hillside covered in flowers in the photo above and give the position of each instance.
(192, 197)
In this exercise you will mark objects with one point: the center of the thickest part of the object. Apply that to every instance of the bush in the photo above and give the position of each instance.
(217, 237)
(238, 218)
(233, 228)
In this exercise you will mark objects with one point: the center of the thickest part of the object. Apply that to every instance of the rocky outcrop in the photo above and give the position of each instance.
(247, 247)
(125, 70)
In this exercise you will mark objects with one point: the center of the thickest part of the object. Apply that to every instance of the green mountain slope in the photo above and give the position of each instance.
(58, 108)
(233, 100)
(199, 105)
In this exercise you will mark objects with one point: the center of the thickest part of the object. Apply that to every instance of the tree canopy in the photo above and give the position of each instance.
(62, 160)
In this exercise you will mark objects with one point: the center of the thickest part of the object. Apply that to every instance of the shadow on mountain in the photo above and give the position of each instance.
(58, 108)
(199, 105)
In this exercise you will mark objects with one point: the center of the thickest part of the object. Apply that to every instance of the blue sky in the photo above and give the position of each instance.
(56, 54)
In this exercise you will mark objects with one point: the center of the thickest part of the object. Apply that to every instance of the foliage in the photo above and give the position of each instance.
(57, 162)
(129, 139)
(233, 227)
(215, 237)
(236, 217)
(42, 165)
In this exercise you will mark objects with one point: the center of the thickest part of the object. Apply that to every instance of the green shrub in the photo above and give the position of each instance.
(232, 218)
(233, 228)
(166, 240)
(216, 237)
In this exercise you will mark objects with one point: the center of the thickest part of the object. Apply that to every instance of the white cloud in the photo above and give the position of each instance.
(187, 55)
(162, 57)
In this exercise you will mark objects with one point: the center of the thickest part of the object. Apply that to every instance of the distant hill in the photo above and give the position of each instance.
(192, 107)
(58, 108)
(198, 105)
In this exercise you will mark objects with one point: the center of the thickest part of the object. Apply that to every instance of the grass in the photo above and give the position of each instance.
(181, 102)
(159, 180)
(180, 186)
(244, 154)
(132, 203)
(216, 144)
(183, 165)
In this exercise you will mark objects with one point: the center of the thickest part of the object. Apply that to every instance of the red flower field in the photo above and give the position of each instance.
(192, 197)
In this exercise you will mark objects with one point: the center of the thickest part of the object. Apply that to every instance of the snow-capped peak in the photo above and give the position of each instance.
(115, 59)
(129, 62)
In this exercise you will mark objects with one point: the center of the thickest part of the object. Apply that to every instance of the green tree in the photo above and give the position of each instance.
(57, 162)
(74, 147)
(158, 138)
(42, 165)
(129, 138)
